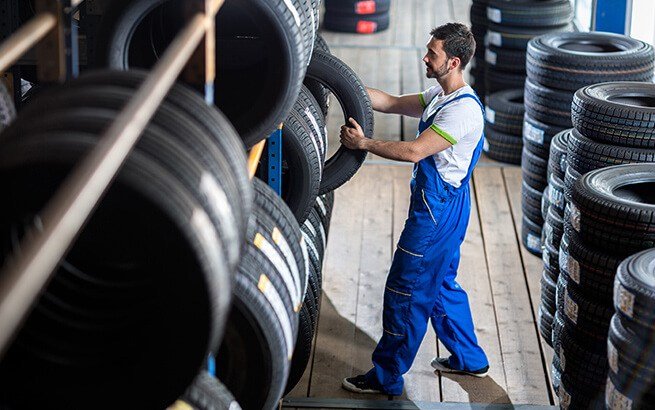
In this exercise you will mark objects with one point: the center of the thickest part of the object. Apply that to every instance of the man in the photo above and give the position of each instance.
(421, 283)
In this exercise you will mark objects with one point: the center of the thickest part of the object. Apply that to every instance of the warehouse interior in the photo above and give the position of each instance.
(184, 229)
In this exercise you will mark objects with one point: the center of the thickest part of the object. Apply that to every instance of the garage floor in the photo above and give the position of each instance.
(500, 276)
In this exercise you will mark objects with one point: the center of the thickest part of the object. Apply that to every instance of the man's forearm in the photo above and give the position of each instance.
(380, 100)
(395, 150)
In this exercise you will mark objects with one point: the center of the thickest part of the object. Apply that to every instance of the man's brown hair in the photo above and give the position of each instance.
(458, 41)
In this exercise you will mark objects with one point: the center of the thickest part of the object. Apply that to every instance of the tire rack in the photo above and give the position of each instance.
(24, 275)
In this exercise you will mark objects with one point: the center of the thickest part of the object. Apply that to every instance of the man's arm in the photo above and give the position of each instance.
(408, 104)
(428, 143)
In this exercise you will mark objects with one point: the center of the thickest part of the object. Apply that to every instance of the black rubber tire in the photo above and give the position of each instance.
(554, 230)
(478, 13)
(505, 59)
(586, 365)
(352, 23)
(586, 319)
(357, 7)
(303, 347)
(558, 328)
(207, 393)
(620, 395)
(616, 113)
(556, 195)
(634, 290)
(575, 395)
(553, 61)
(308, 26)
(534, 170)
(168, 229)
(545, 326)
(517, 38)
(547, 287)
(614, 208)
(314, 228)
(531, 236)
(502, 147)
(320, 93)
(557, 162)
(530, 13)
(504, 111)
(531, 203)
(538, 135)
(498, 80)
(630, 356)
(592, 270)
(348, 89)
(302, 159)
(224, 191)
(323, 207)
(255, 108)
(548, 105)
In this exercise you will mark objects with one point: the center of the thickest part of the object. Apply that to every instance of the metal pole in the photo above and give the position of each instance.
(25, 38)
(24, 276)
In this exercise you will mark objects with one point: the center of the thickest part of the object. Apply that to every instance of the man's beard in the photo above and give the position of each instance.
(439, 73)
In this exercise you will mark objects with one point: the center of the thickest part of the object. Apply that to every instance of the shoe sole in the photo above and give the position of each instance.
(438, 367)
(352, 388)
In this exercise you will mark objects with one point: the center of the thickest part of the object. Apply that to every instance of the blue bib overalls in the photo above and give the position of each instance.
(421, 283)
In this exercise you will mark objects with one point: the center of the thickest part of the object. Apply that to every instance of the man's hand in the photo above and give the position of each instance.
(353, 137)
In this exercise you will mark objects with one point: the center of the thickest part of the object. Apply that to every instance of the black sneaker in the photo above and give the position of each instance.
(359, 384)
(442, 364)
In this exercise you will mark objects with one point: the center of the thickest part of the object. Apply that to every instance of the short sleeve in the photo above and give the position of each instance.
(458, 120)
(426, 96)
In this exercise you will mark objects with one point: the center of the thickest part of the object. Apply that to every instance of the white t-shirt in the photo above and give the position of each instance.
(461, 123)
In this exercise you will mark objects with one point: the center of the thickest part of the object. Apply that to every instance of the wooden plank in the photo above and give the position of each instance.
(532, 264)
(473, 276)
(403, 22)
(377, 199)
(516, 326)
(335, 351)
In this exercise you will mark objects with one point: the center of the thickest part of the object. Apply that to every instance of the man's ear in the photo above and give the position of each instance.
(455, 63)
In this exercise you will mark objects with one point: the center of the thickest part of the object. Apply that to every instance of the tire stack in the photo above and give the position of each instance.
(631, 378)
(143, 294)
(558, 64)
(479, 24)
(511, 24)
(357, 16)
(503, 122)
(607, 219)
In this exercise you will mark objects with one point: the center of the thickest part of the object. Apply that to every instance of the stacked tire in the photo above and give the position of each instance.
(630, 382)
(479, 25)
(558, 64)
(145, 289)
(503, 125)
(607, 219)
(357, 16)
(510, 26)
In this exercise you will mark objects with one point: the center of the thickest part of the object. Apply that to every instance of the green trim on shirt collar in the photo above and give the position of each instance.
(444, 134)
(422, 100)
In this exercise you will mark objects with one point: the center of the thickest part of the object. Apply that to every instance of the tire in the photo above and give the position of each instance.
(302, 158)
(575, 395)
(365, 24)
(348, 89)
(548, 105)
(613, 208)
(170, 249)
(255, 108)
(527, 13)
(637, 396)
(554, 230)
(630, 358)
(586, 365)
(538, 135)
(545, 326)
(590, 269)
(533, 170)
(478, 14)
(550, 257)
(616, 113)
(556, 195)
(7, 108)
(357, 7)
(634, 293)
(557, 162)
(308, 26)
(507, 60)
(303, 347)
(224, 191)
(531, 236)
(207, 393)
(548, 295)
(504, 111)
(531, 203)
(498, 80)
(517, 38)
(569, 61)
(587, 320)
(314, 229)
(323, 207)
(320, 93)
(502, 147)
